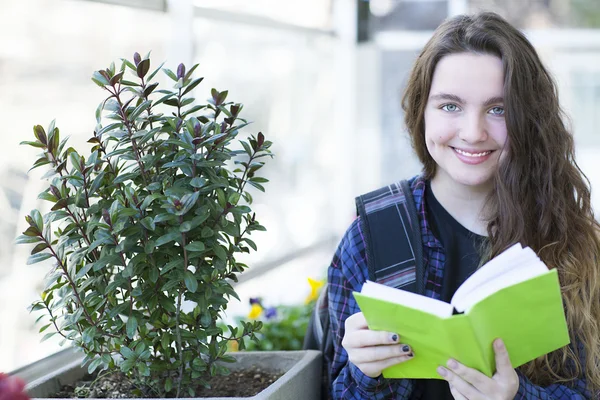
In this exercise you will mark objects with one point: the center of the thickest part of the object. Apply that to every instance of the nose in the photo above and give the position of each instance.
(473, 129)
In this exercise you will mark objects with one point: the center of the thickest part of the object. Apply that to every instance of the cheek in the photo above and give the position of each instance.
(499, 133)
(438, 130)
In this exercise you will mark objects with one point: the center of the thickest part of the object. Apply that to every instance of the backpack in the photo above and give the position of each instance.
(391, 228)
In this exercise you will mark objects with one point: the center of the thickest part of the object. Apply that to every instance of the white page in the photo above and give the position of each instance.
(521, 273)
(409, 299)
(502, 263)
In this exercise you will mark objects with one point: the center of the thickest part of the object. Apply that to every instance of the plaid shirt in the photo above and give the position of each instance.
(347, 273)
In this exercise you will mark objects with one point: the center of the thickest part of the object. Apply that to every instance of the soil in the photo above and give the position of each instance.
(243, 383)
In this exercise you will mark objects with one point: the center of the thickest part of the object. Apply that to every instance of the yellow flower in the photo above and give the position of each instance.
(315, 286)
(233, 345)
(255, 311)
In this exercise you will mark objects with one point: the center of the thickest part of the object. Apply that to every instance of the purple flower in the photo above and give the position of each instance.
(270, 313)
(254, 300)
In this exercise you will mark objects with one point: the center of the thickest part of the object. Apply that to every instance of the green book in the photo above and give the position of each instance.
(514, 297)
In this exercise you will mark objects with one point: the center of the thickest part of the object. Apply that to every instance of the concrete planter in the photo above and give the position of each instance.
(301, 380)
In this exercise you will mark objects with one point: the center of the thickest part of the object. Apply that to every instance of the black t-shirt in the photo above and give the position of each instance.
(461, 247)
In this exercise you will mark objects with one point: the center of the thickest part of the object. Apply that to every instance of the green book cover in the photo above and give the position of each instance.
(528, 315)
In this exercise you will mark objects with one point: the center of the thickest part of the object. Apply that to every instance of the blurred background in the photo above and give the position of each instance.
(322, 79)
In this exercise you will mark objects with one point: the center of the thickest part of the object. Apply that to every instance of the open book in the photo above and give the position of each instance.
(514, 297)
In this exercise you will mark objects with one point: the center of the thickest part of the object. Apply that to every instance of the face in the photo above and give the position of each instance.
(465, 129)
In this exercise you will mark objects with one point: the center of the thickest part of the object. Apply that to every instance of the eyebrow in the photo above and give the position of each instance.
(453, 97)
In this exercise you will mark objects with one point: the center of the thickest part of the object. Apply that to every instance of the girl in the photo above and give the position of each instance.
(498, 168)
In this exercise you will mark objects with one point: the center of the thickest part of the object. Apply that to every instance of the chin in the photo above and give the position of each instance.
(474, 181)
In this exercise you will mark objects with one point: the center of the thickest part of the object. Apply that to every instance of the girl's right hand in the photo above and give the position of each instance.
(372, 351)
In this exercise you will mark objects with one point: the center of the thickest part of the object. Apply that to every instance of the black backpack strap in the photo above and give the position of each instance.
(394, 248)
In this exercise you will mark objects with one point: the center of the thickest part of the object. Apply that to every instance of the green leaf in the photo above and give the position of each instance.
(75, 161)
(131, 327)
(169, 237)
(154, 186)
(143, 369)
(47, 196)
(195, 246)
(153, 274)
(170, 265)
(155, 72)
(148, 223)
(96, 183)
(185, 227)
(234, 198)
(170, 74)
(88, 335)
(220, 252)
(39, 247)
(127, 352)
(34, 144)
(23, 239)
(124, 177)
(193, 110)
(62, 203)
(258, 186)
(94, 365)
(168, 385)
(36, 258)
(198, 182)
(188, 201)
(221, 197)
(190, 281)
(99, 79)
(191, 86)
(48, 336)
(127, 212)
(139, 109)
(127, 365)
(247, 147)
(86, 268)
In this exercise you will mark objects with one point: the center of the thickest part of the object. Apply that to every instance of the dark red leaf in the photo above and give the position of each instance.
(143, 67)
(40, 134)
(180, 71)
(261, 139)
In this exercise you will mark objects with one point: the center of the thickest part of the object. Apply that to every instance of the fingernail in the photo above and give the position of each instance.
(452, 364)
(394, 338)
(499, 344)
(410, 354)
(442, 371)
(405, 348)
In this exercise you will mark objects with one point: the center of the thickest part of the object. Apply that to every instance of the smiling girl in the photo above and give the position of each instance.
(498, 168)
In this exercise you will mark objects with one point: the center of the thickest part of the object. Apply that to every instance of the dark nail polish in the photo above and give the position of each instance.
(410, 355)
(405, 348)
(395, 338)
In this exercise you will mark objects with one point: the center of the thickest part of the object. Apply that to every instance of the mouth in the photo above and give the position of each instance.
(472, 154)
(472, 157)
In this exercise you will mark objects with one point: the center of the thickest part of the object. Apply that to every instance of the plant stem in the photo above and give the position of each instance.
(178, 331)
(177, 321)
(74, 287)
(136, 151)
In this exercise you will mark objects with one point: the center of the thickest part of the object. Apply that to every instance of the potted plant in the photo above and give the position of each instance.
(143, 232)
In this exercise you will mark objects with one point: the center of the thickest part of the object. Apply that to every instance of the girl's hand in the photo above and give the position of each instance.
(469, 384)
(372, 351)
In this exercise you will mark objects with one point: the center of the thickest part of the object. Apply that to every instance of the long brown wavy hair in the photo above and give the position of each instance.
(541, 197)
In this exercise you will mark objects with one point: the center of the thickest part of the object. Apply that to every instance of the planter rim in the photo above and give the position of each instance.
(37, 372)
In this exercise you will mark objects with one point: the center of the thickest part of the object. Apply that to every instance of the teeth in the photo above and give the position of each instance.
(464, 153)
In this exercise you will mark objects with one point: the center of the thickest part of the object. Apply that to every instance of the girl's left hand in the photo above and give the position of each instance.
(470, 384)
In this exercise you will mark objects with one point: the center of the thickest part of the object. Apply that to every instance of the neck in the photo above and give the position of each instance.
(465, 203)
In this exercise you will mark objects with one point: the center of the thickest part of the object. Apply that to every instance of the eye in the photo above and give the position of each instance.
(497, 111)
(450, 107)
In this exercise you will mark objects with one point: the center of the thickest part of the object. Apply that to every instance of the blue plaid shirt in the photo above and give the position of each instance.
(347, 273)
